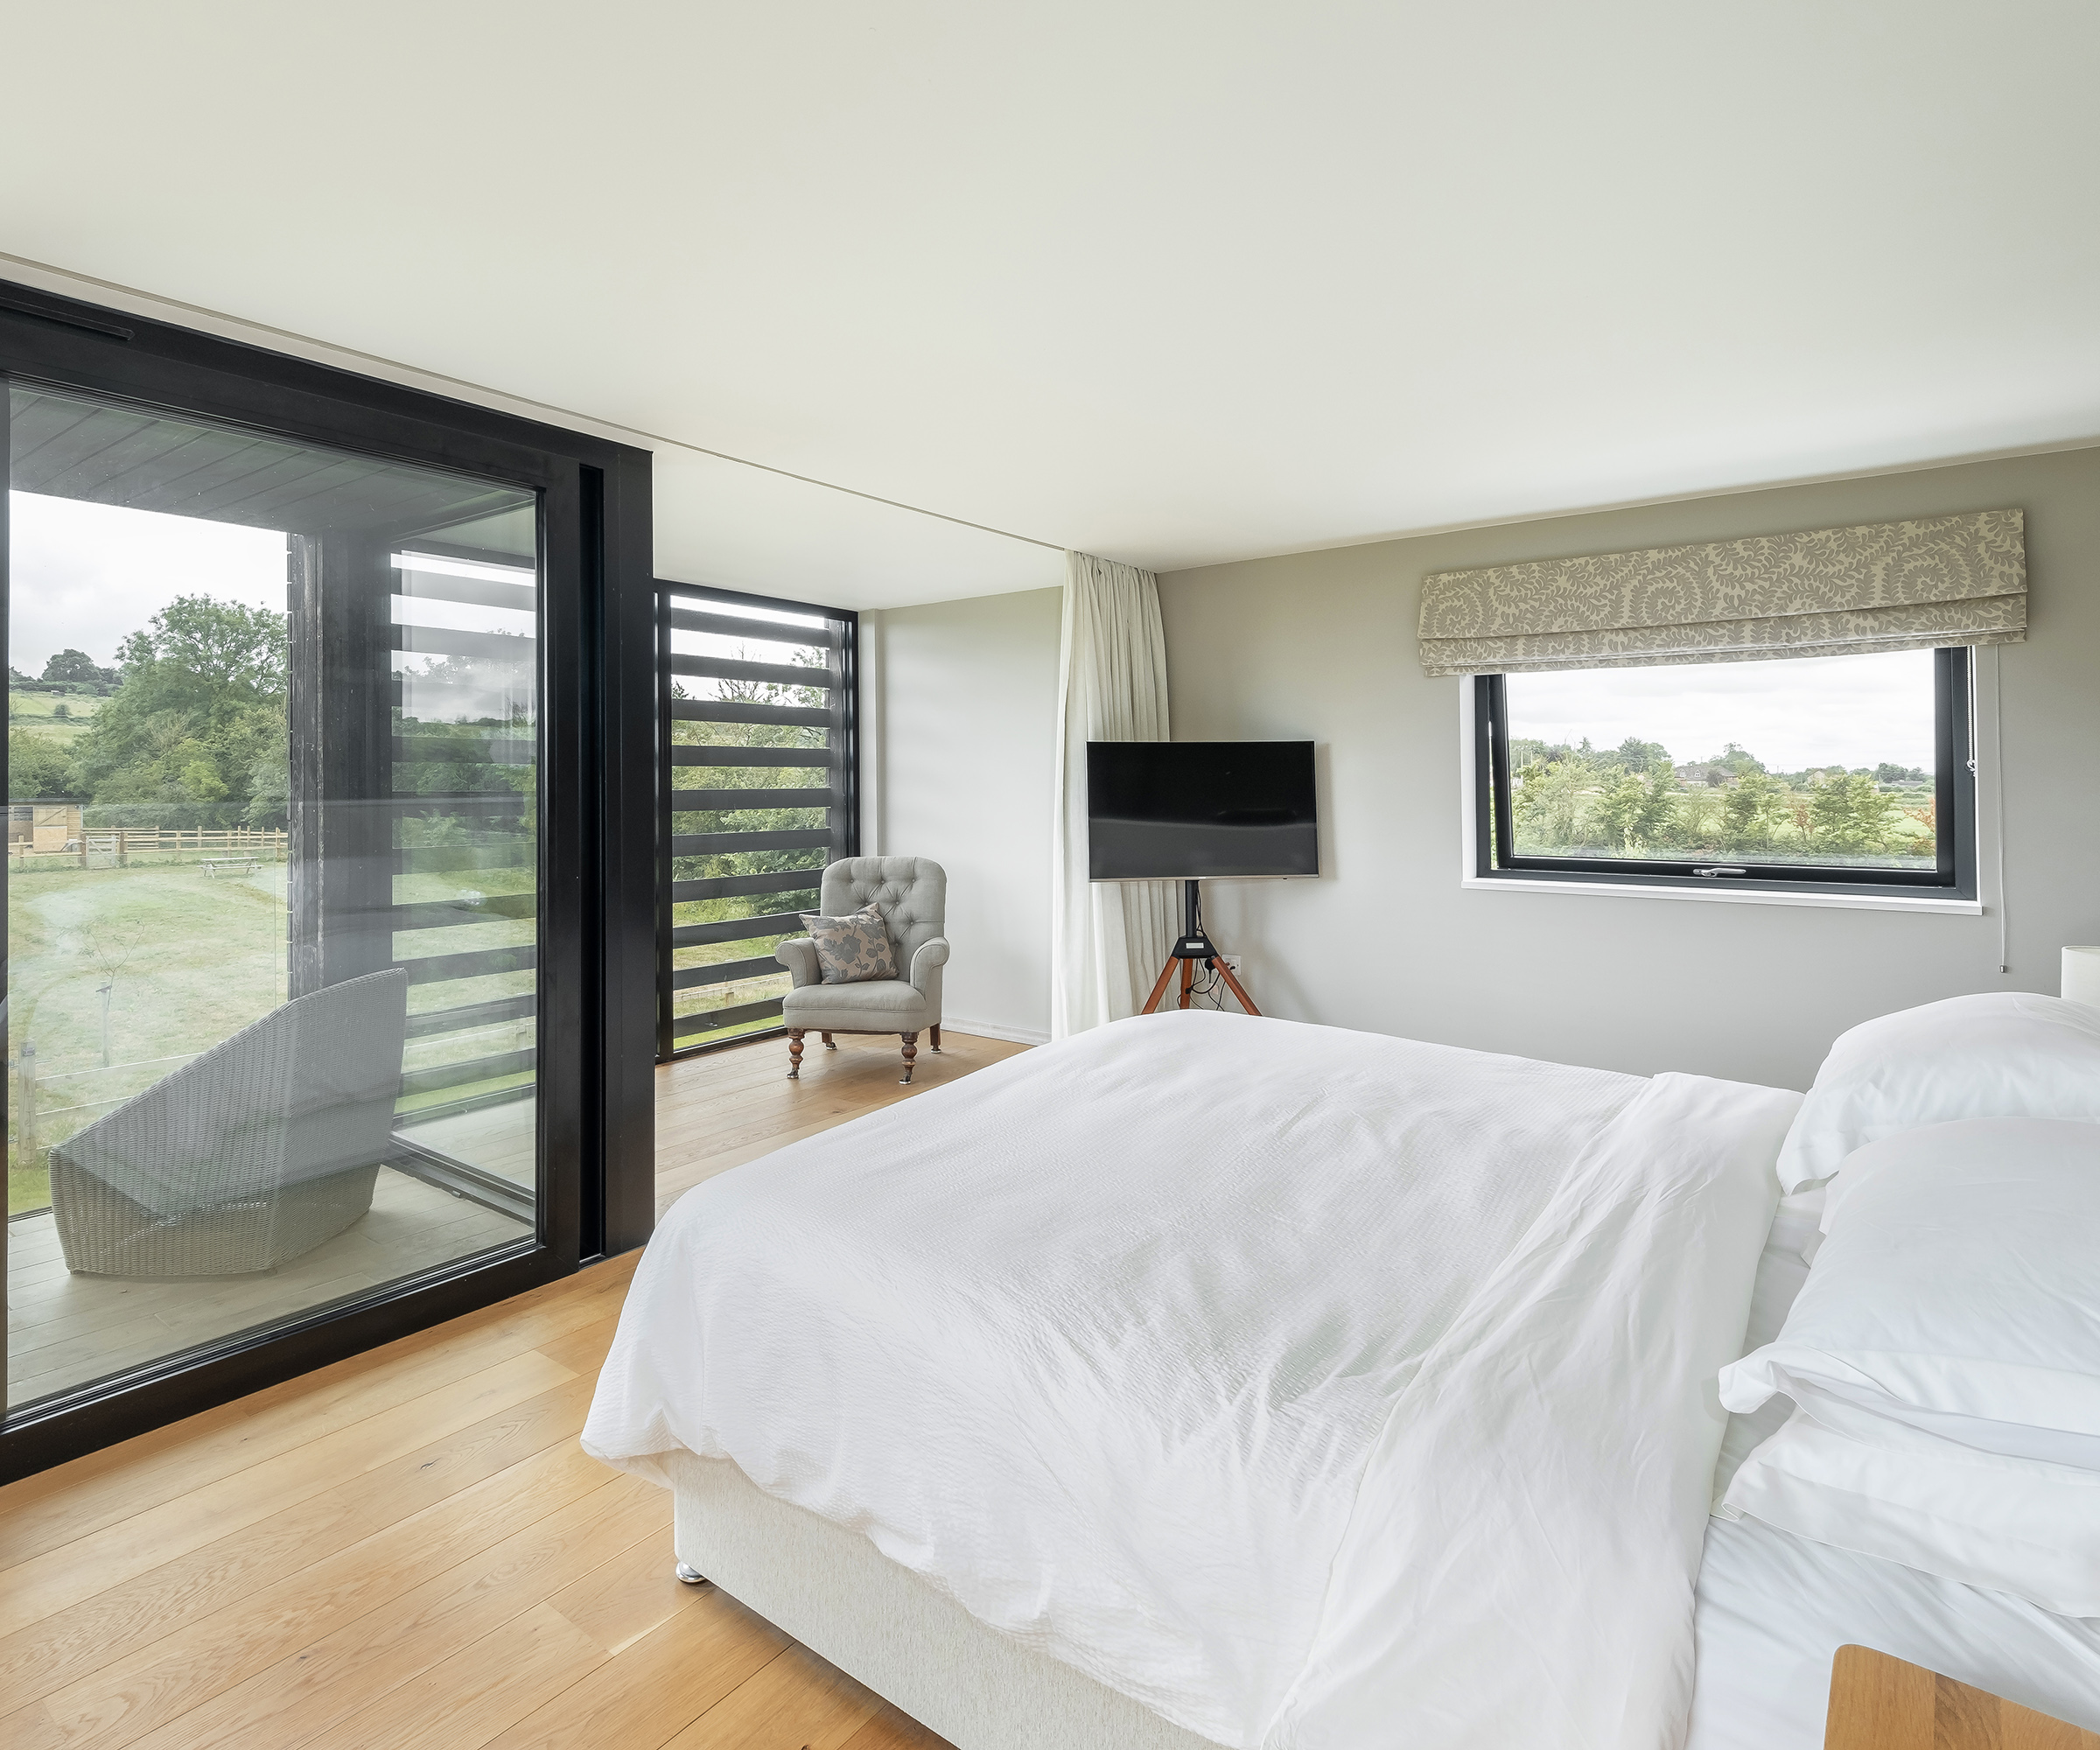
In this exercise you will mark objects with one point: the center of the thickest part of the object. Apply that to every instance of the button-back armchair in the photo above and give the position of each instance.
(912, 895)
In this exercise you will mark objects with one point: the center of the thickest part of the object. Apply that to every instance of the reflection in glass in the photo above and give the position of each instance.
(271, 862)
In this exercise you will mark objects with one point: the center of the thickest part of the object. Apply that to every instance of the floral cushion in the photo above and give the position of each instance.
(853, 949)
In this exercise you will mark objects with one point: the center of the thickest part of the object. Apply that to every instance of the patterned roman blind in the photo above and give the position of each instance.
(1828, 592)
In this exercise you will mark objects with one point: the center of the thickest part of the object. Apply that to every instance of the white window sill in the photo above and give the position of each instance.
(1730, 896)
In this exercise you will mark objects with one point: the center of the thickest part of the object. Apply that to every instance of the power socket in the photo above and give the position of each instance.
(1231, 963)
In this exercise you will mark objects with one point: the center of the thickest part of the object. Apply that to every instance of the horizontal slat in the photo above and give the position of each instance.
(740, 625)
(480, 964)
(735, 929)
(724, 972)
(481, 591)
(444, 859)
(498, 750)
(477, 1069)
(706, 1020)
(449, 914)
(733, 886)
(458, 801)
(686, 754)
(725, 711)
(771, 674)
(444, 640)
(470, 1015)
(716, 844)
(727, 799)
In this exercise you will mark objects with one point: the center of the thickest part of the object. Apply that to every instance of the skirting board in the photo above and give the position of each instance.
(998, 1030)
(833, 1591)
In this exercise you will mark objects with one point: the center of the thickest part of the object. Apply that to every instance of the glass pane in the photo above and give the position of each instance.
(272, 847)
(1827, 760)
(755, 726)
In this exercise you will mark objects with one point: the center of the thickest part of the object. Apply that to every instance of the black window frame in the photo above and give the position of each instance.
(596, 1021)
(1953, 690)
(844, 835)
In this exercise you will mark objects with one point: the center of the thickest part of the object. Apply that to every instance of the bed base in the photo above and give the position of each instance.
(833, 1591)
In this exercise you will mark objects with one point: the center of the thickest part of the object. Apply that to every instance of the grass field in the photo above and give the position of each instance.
(195, 959)
(37, 712)
(189, 961)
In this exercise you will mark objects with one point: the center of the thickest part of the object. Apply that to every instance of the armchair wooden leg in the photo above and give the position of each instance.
(795, 1055)
(936, 1030)
(828, 1044)
(911, 1050)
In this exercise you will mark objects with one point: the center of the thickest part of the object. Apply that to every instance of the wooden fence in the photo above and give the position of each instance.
(116, 846)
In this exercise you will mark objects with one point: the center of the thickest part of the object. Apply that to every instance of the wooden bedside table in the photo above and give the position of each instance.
(1880, 1703)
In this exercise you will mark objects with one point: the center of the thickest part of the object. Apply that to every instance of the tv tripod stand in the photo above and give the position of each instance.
(1193, 947)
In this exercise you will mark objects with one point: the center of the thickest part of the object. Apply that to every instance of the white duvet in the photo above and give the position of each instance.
(1317, 1389)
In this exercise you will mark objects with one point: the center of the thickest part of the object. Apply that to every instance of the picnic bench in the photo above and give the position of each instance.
(215, 867)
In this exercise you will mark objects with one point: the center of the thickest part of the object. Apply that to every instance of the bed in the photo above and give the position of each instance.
(1207, 1380)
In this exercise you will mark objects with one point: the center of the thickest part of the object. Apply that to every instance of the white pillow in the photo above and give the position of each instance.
(1957, 1292)
(2009, 1524)
(1999, 1056)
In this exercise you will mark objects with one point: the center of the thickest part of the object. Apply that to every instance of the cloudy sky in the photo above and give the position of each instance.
(1828, 711)
(84, 576)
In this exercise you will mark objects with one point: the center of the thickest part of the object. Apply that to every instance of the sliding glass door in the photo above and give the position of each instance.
(277, 979)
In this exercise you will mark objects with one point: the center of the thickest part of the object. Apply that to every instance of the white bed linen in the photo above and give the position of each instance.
(1774, 1608)
(1100, 1341)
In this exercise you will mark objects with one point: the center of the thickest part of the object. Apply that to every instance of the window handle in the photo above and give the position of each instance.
(1720, 871)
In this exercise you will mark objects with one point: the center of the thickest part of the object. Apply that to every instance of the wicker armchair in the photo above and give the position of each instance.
(260, 1150)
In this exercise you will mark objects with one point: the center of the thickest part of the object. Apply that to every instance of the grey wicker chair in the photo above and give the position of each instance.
(260, 1150)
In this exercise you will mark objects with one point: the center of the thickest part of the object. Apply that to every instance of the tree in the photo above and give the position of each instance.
(76, 667)
(1851, 813)
(1618, 813)
(201, 706)
(1736, 760)
(1549, 805)
(35, 768)
(1756, 806)
(1635, 755)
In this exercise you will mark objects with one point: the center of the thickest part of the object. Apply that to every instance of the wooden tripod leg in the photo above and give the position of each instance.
(1188, 979)
(1233, 986)
(1159, 990)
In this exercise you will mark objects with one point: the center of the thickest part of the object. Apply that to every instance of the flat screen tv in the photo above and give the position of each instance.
(1193, 810)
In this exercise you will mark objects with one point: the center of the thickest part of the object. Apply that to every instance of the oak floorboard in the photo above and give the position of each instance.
(70, 1643)
(467, 1698)
(633, 1595)
(201, 1663)
(795, 1702)
(122, 1550)
(71, 1501)
(661, 1683)
(338, 1677)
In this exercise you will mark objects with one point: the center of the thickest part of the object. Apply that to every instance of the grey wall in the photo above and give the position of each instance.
(961, 702)
(1322, 645)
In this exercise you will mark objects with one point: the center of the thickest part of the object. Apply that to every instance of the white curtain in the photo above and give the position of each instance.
(1108, 939)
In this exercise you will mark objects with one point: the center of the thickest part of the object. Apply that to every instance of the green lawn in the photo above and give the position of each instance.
(196, 959)
(190, 959)
(38, 713)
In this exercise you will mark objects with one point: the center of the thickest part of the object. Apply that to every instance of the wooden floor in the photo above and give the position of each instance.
(723, 1108)
(410, 1548)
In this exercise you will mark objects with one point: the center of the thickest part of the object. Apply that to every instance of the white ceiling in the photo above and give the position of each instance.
(1170, 283)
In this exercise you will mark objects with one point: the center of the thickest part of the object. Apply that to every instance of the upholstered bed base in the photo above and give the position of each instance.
(835, 1593)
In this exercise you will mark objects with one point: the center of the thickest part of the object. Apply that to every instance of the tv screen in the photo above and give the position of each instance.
(1187, 810)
